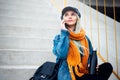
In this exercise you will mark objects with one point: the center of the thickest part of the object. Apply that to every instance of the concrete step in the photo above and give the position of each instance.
(19, 57)
(28, 32)
(25, 20)
(22, 4)
(25, 43)
(16, 74)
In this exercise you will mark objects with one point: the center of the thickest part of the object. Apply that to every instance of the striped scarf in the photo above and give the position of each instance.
(74, 58)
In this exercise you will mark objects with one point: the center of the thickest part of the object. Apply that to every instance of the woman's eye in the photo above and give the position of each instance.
(73, 14)
(66, 14)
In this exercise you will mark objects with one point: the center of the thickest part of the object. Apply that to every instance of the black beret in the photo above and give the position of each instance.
(69, 8)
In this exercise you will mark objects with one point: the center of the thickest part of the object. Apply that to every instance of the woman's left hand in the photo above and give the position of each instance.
(97, 67)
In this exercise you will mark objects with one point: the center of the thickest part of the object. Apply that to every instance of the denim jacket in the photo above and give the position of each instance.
(60, 49)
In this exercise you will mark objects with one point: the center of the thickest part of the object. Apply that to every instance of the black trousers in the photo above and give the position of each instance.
(104, 72)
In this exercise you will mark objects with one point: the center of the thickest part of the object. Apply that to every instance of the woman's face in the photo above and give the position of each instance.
(70, 18)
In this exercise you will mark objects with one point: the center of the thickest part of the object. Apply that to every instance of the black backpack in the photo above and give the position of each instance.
(47, 71)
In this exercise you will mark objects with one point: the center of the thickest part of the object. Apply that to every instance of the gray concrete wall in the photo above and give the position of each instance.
(26, 33)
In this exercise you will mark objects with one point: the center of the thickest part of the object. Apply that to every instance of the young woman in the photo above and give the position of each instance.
(73, 48)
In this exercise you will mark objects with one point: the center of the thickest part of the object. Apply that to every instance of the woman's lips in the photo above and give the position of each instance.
(70, 20)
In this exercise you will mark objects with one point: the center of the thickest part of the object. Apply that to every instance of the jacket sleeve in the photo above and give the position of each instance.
(61, 44)
(90, 49)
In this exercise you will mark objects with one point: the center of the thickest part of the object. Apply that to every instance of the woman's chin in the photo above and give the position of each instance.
(70, 24)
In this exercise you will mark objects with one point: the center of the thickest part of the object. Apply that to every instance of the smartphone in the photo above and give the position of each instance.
(66, 25)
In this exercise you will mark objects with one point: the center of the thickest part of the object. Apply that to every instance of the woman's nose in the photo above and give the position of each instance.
(70, 17)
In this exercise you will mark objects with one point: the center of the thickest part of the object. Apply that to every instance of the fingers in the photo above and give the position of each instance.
(63, 21)
(88, 65)
(97, 67)
(63, 25)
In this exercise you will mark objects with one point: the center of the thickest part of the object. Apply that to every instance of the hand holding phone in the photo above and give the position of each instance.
(63, 25)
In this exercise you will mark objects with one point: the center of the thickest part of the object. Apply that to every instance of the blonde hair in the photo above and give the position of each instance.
(78, 26)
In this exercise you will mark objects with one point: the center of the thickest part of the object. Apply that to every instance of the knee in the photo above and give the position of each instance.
(105, 70)
(106, 67)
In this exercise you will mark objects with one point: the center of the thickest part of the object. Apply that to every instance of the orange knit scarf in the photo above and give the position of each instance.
(74, 58)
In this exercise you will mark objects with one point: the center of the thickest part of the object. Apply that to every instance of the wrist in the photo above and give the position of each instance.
(64, 28)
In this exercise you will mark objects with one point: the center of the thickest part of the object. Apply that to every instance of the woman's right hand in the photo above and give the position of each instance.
(63, 25)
